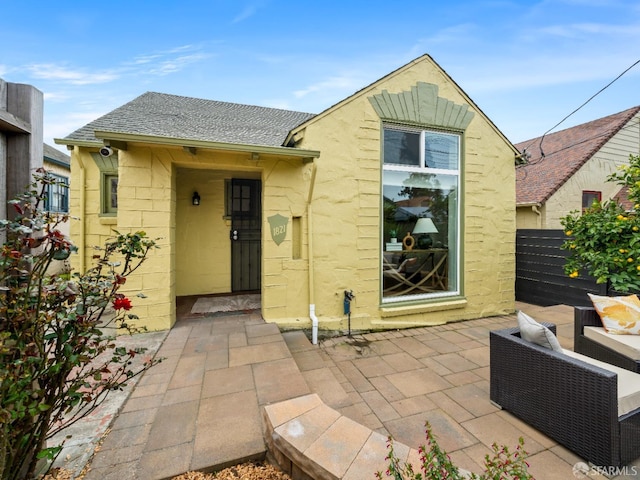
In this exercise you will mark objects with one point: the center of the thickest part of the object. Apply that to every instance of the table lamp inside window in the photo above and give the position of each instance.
(422, 232)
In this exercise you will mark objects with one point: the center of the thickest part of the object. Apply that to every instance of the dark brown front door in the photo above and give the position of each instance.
(246, 221)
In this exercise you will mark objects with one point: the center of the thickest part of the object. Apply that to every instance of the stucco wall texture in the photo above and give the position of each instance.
(347, 210)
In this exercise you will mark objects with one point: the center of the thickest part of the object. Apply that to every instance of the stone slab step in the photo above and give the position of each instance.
(309, 440)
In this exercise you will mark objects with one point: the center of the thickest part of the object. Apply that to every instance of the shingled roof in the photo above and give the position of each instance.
(56, 156)
(173, 116)
(564, 153)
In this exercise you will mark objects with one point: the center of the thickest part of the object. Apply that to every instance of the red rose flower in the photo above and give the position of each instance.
(122, 302)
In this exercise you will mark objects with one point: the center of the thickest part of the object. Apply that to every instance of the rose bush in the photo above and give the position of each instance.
(56, 365)
(437, 465)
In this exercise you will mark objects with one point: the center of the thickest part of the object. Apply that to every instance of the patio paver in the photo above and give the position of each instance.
(203, 407)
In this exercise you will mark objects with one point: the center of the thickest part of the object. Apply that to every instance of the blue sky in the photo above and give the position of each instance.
(526, 64)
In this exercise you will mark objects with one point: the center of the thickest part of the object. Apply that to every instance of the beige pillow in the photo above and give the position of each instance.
(619, 315)
(533, 332)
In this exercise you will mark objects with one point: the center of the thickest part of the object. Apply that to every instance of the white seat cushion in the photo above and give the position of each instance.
(628, 383)
(627, 345)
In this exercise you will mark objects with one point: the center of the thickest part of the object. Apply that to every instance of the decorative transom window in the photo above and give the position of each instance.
(421, 167)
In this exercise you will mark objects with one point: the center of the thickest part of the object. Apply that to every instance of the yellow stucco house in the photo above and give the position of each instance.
(402, 193)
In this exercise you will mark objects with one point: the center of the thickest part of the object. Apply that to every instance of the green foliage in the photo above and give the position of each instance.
(437, 465)
(56, 366)
(604, 240)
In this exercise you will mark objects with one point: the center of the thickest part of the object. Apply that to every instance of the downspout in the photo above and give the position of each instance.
(535, 209)
(83, 201)
(312, 305)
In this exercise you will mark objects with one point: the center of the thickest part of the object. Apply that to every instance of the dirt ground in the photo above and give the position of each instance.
(244, 471)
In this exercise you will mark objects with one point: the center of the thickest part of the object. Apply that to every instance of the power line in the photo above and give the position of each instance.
(628, 126)
(590, 98)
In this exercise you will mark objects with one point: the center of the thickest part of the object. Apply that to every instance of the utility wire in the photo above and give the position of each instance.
(590, 98)
(633, 126)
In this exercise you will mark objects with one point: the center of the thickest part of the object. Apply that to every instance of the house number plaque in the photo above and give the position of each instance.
(278, 227)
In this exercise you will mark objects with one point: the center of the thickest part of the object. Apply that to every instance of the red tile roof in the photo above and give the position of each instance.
(622, 197)
(564, 153)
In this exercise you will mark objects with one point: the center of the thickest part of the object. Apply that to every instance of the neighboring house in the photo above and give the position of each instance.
(567, 170)
(58, 165)
(21, 126)
(301, 207)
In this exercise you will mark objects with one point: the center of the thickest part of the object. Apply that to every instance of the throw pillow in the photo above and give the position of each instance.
(619, 315)
(533, 332)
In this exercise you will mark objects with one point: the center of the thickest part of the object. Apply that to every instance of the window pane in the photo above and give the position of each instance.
(420, 237)
(113, 181)
(110, 194)
(431, 265)
(588, 197)
(401, 148)
(441, 150)
(57, 199)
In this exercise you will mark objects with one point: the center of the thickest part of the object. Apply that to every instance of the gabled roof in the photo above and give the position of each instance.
(564, 153)
(366, 90)
(163, 115)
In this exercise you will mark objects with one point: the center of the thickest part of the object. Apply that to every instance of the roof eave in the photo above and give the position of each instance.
(108, 136)
(57, 162)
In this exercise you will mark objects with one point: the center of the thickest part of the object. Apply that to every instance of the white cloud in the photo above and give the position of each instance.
(55, 97)
(579, 30)
(50, 71)
(144, 59)
(338, 83)
(59, 126)
(249, 10)
(176, 64)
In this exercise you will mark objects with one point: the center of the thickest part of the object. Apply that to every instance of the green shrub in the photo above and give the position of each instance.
(604, 240)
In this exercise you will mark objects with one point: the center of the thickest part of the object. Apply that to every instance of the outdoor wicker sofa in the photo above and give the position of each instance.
(591, 347)
(572, 401)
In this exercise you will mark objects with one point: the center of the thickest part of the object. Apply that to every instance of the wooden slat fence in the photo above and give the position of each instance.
(540, 277)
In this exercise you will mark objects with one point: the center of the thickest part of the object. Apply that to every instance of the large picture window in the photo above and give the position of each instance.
(420, 191)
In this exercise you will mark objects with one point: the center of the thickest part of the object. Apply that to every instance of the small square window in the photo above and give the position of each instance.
(590, 196)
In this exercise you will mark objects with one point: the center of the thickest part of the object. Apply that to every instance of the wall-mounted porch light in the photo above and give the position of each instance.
(195, 199)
